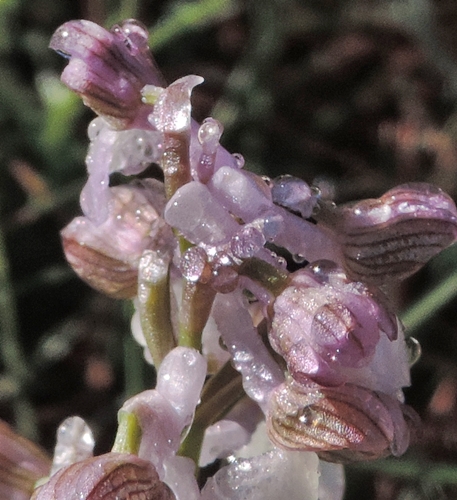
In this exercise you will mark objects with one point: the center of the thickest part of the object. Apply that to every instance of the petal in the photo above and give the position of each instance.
(394, 236)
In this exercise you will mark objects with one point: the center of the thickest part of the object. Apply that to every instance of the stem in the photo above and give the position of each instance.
(11, 351)
(175, 161)
(220, 394)
(197, 300)
(128, 437)
(154, 307)
(420, 312)
(270, 277)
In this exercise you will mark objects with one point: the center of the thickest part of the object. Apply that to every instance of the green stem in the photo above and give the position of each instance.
(155, 314)
(270, 277)
(197, 300)
(133, 367)
(128, 436)
(420, 312)
(11, 351)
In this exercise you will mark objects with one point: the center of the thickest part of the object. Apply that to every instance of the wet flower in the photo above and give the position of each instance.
(108, 69)
(126, 151)
(342, 424)
(392, 237)
(264, 472)
(319, 352)
(75, 442)
(324, 321)
(172, 107)
(294, 194)
(113, 476)
(107, 256)
(165, 413)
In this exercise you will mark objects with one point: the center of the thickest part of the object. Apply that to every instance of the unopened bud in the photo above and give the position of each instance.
(107, 477)
(323, 321)
(108, 68)
(344, 424)
(394, 236)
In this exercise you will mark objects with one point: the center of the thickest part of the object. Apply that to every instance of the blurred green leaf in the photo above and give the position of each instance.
(185, 17)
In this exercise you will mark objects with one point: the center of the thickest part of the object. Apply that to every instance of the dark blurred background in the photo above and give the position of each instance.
(355, 96)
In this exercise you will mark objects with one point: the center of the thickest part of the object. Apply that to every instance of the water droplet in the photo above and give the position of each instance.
(209, 133)
(134, 34)
(225, 279)
(94, 128)
(193, 263)
(294, 194)
(298, 259)
(272, 225)
(307, 416)
(281, 262)
(414, 350)
(323, 269)
(247, 242)
(75, 442)
(239, 160)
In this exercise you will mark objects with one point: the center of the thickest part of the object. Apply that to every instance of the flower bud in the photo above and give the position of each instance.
(323, 321)
(343, 424)
(108, 68)
(107, 256)
(394, 236)
(113, 476)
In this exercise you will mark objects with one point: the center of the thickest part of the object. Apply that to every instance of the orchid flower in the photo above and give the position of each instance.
(272, 371)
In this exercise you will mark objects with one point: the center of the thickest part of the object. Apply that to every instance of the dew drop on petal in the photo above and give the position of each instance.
(209, 133)
(134, 33)
(95, 127)
(414, 350)
(239, 160)
(298, 259)
(193, 263)
(247, 242)
(225, 279)
(294, 194)
(75, 442)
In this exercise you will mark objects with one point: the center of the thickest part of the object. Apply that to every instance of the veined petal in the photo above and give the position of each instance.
(394, 236)
(342, 424)
(106, 477)
(108, 68)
